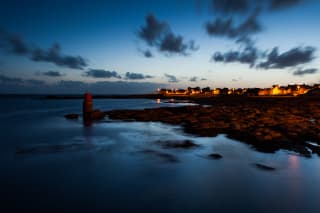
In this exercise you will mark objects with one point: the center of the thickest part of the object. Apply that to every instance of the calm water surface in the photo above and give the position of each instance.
(50, 163)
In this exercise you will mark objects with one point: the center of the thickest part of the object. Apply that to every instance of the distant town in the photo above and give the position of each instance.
(275, 90)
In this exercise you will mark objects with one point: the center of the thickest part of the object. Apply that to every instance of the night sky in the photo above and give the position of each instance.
(138, 46)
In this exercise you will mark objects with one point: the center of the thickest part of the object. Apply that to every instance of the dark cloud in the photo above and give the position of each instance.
(158, 34)
(136, 76)
(147, 54)
(99, 73)
(52, 73)
(252, 56)
(246, 10)
(226, 7)
(247, 56)
(16, 45)
(35, 82)
(193, 79)
(227, 28)
(281, 4)
(173, 44)
(291, 58)
(231, 6)
(154, 30)
(54, 56)
(10, 80)
(171, 78)
(241, 33)
(301, 72)
(221, 27)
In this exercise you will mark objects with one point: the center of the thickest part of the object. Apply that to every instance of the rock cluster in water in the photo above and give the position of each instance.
(268, 125)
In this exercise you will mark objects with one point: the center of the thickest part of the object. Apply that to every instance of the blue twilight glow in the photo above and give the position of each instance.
(100, 46)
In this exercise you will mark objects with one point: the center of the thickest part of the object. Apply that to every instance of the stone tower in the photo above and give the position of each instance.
(87, 107)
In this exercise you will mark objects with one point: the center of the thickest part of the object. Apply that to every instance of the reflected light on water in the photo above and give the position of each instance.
(294, 162)
(295, 179)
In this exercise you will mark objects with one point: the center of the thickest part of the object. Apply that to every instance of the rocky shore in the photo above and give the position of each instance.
(268, 124)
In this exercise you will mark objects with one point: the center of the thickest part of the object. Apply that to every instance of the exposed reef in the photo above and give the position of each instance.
(72, 116)
(186, 144)
(264, 167)
(268, 124)
(215, 156)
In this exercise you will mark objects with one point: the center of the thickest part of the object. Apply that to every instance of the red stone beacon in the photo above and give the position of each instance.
(87, 107)
(89, 114)
(87, 97)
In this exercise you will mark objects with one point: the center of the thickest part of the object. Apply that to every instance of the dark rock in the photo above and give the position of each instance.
(215, 156)
(264, 167)
(72, 116)
(97, 115)
(268, 124)
(186, 144)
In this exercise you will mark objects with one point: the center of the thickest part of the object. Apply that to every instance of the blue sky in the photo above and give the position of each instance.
(105, 40)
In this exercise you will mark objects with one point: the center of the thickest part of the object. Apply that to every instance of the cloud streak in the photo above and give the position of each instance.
(230, 6)
(52, 73)
(171, 78)
(136, 76)
(53, 55)
(282, 4)
(247, 56)
(226, 7)
(100, 73)
(16, 45)
(291, 58)
(226, 27)
(193, 79)
(302, 72)
(268, 60)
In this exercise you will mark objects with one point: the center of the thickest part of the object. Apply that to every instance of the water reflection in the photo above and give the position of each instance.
(295, 189)
(87, 133)
(294, 163)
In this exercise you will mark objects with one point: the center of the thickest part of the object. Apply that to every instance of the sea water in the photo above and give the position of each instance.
(49, 163)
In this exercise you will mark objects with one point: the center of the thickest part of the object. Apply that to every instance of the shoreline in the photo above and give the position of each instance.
(199, 97)
(267, 124)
